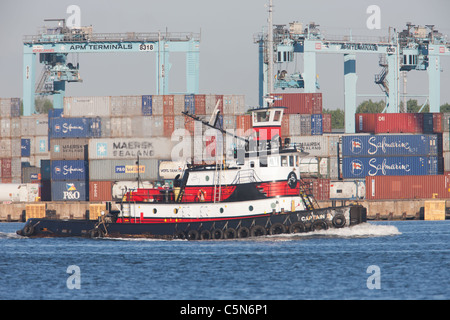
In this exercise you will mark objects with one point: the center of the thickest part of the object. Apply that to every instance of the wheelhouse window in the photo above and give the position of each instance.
(263, 116)
(277, 116)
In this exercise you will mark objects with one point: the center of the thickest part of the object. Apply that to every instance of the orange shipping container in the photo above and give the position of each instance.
(168, 105)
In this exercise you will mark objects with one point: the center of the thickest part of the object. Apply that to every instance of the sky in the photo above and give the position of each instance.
(228, 55)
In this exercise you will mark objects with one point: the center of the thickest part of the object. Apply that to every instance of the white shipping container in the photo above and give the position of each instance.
(347, 190)
(35, 125)
(126, 106)
(123, 170)
(294, 124)
(130, 148)
(178, 104)
(446, 161)
(87, 107)
(5, 148)
(445, 142)
(157, 105)
(16, 148)
(121, 127)
(316, 146)
(5, 128)
(16, 131)
(144, 127)
(5, 107)
(16, 167)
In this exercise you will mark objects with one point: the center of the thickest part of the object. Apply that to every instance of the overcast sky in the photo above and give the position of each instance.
(228, 56)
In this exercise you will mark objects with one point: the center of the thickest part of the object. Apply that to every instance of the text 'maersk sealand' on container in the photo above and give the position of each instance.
(389, 145)
(389, 166)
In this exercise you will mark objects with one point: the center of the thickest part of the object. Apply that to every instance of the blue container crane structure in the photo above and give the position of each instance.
(55, 44)
(415, 48)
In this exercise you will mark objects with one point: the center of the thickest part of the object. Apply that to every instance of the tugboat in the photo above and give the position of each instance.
(256, 192)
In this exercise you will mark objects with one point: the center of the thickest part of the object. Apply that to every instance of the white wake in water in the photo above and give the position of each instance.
(4, 235)
(363, 230)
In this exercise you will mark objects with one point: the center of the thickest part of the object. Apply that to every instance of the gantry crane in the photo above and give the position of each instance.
(54, 44)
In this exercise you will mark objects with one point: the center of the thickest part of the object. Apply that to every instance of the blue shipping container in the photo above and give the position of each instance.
(189, 103)
(75, 128)
(389, 145)
(316, 125)
(69, 170)
(25, 147)
(70, 191)
(46, 170)
(147, 105)
(389, 166)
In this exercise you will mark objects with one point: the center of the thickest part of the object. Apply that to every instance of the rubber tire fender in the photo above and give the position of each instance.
(28, 230)
(319, 225)
(277, 228)
(339, 220)
(297, 227)
(192, 235)
(180, 235)
(230, 233)
(243, 232)
(205, 235)
(217, 234)
(257, 231)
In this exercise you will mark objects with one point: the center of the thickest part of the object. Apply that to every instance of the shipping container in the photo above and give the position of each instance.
(46, 170)
(157, 105)
(70, 191)
(76, 107)
(125, 106)
(5, 148)
(320, 188)
(326, 123)
(189, 103)
(316, 146)
(285, 130)
(5, 128)
(121, 127)
(234, 105)
(299, 103)
(146, 105)
(408, 187)
(348, 190)
(390, 145)
(211, 101)
(389, 122)
(75, 128)
(359, 168)
(35, 125)
(169, 126)
(200, 104)
(31, 174)
(100, 190)
(9, 107)
(316, 125)
(445, 125)
(117, 170)
(69, 149)
(25, 147)
(305, 125)
(143, 127)
(130, 148)
(178, 104)
(69, 170)
(168, 105)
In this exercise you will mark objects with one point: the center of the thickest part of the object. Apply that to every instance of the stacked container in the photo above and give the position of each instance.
(10, 142)
(387, 155)
(399, 123)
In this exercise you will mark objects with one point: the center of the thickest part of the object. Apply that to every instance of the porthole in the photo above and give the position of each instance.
(221, 210)
(175, 210)
(207, 178)
(250, 208)
(155, 211)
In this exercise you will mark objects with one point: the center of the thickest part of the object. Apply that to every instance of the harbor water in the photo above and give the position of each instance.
(376, 260)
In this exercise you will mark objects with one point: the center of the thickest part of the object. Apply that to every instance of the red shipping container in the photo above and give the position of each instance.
(320, 188)
(285, 126)
(244, 122)
(168, 105)
(299, 103)
(407, 187)
(326, 123)
(200, 104)
(169, 125)
(437, 123)
(6, 168)
(389, 122)
(100, 190)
